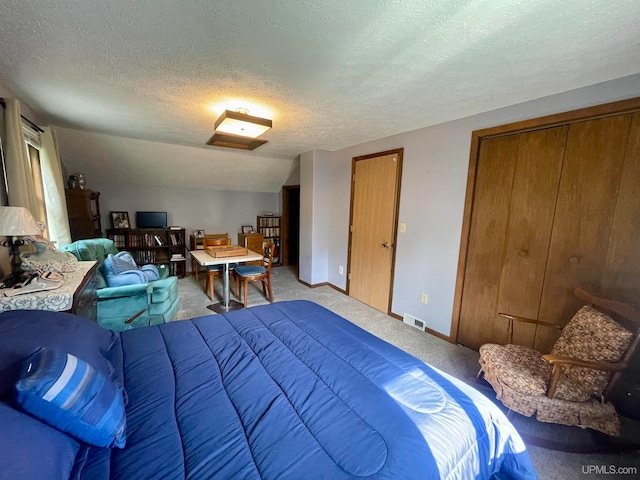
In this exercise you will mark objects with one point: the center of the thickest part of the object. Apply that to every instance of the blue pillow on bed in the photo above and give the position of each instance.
(67, 393)
(31, 449)
(22, 332)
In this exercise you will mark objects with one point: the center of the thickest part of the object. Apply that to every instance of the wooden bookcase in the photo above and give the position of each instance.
(83, 207)
(157, 246)
(269, 226)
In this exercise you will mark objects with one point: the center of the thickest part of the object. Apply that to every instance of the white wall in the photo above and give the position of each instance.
(294, 178)
(307, 192)
(432, 198)
(215, 211)
(315, 219)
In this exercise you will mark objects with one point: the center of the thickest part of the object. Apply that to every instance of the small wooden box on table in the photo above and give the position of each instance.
(205, 259)
(197, 243)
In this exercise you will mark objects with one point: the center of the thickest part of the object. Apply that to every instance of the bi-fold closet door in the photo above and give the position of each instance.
(553, 209)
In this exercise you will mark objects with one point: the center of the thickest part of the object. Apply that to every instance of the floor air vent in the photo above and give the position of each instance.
(415, 322)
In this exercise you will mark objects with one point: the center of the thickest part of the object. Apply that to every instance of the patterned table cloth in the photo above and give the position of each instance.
(57, 300)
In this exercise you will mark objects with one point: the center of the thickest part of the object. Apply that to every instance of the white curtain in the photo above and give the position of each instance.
(20, 185)
(57, 217)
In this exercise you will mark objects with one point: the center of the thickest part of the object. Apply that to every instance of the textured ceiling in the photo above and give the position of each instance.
(330, 73)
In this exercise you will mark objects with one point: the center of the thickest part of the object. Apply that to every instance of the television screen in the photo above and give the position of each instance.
(151, 219)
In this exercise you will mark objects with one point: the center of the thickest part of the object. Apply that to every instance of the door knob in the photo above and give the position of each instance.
(385, 245)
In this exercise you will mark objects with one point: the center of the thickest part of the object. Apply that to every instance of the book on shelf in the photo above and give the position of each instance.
(175, 227)
(158, 240)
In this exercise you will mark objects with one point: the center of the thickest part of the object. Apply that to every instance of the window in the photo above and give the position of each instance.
(32, 142)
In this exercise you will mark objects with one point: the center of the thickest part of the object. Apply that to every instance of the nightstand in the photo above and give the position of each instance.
(77, 295)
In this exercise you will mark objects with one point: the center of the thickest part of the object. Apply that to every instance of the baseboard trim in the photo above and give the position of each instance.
(391, 314)
(428, 330)
(338, 288)
(323, 284)
(315, 285)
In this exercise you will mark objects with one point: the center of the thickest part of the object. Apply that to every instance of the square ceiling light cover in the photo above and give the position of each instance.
(234, 141)
(240, 123)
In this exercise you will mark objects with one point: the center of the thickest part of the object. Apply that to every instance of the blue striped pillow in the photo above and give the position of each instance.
(67, 393)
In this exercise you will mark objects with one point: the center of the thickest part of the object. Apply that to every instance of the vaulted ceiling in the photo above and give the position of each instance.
(137, 85)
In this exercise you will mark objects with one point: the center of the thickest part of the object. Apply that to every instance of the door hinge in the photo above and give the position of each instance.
(353, 179)
(351, 228)
(349, 276)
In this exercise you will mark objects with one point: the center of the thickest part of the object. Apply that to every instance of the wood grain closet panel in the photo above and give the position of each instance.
(496, 164)
(584, 216)
(531, 212)
(621, 278)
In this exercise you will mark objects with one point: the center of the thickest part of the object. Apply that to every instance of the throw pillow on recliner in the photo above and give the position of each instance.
(121, 269)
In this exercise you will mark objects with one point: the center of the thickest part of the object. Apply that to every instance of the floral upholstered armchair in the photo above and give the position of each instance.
(570, 385)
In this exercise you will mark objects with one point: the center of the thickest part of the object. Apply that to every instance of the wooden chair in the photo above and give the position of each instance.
(214, 270)
(571, 384)
(253, 273)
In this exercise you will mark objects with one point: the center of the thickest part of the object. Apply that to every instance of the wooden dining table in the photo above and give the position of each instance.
(203, 258)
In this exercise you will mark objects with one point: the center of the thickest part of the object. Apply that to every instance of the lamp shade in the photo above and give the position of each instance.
(238, 123)
(17, 222)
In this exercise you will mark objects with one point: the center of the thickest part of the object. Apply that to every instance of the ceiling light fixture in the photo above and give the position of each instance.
(239, 130)
(241, 123)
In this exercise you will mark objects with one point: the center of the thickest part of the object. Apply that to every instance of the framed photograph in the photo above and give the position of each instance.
(120, 220)
(199, 234)
(247, 228)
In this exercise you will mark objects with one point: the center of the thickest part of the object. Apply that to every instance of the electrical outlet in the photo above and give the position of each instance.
(403, 227)
(424, 298)
(341, 270)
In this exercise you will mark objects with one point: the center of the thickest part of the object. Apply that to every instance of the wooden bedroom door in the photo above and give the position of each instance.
(374, 206)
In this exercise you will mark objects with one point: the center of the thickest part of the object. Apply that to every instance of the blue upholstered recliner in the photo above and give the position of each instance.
(127, 306)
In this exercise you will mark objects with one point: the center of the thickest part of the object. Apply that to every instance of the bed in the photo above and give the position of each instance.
(287, 390)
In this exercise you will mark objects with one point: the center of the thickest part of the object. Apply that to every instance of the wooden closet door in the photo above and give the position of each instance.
(494, 179)
(531, 212)
(583, 224)
(514, 204)
(621, 277)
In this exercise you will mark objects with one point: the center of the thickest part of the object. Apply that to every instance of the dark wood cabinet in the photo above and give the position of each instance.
(83, 207)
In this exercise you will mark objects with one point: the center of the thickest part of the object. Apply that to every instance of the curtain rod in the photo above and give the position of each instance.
(2, 102)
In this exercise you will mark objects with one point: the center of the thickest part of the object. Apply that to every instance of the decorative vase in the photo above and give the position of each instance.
(73, 182)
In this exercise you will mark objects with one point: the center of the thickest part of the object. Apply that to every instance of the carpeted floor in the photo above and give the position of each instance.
(456, 360)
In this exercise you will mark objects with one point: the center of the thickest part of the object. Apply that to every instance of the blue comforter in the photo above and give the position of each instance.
(291, 390)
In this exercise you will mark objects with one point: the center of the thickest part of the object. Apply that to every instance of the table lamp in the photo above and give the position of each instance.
(16, 222)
